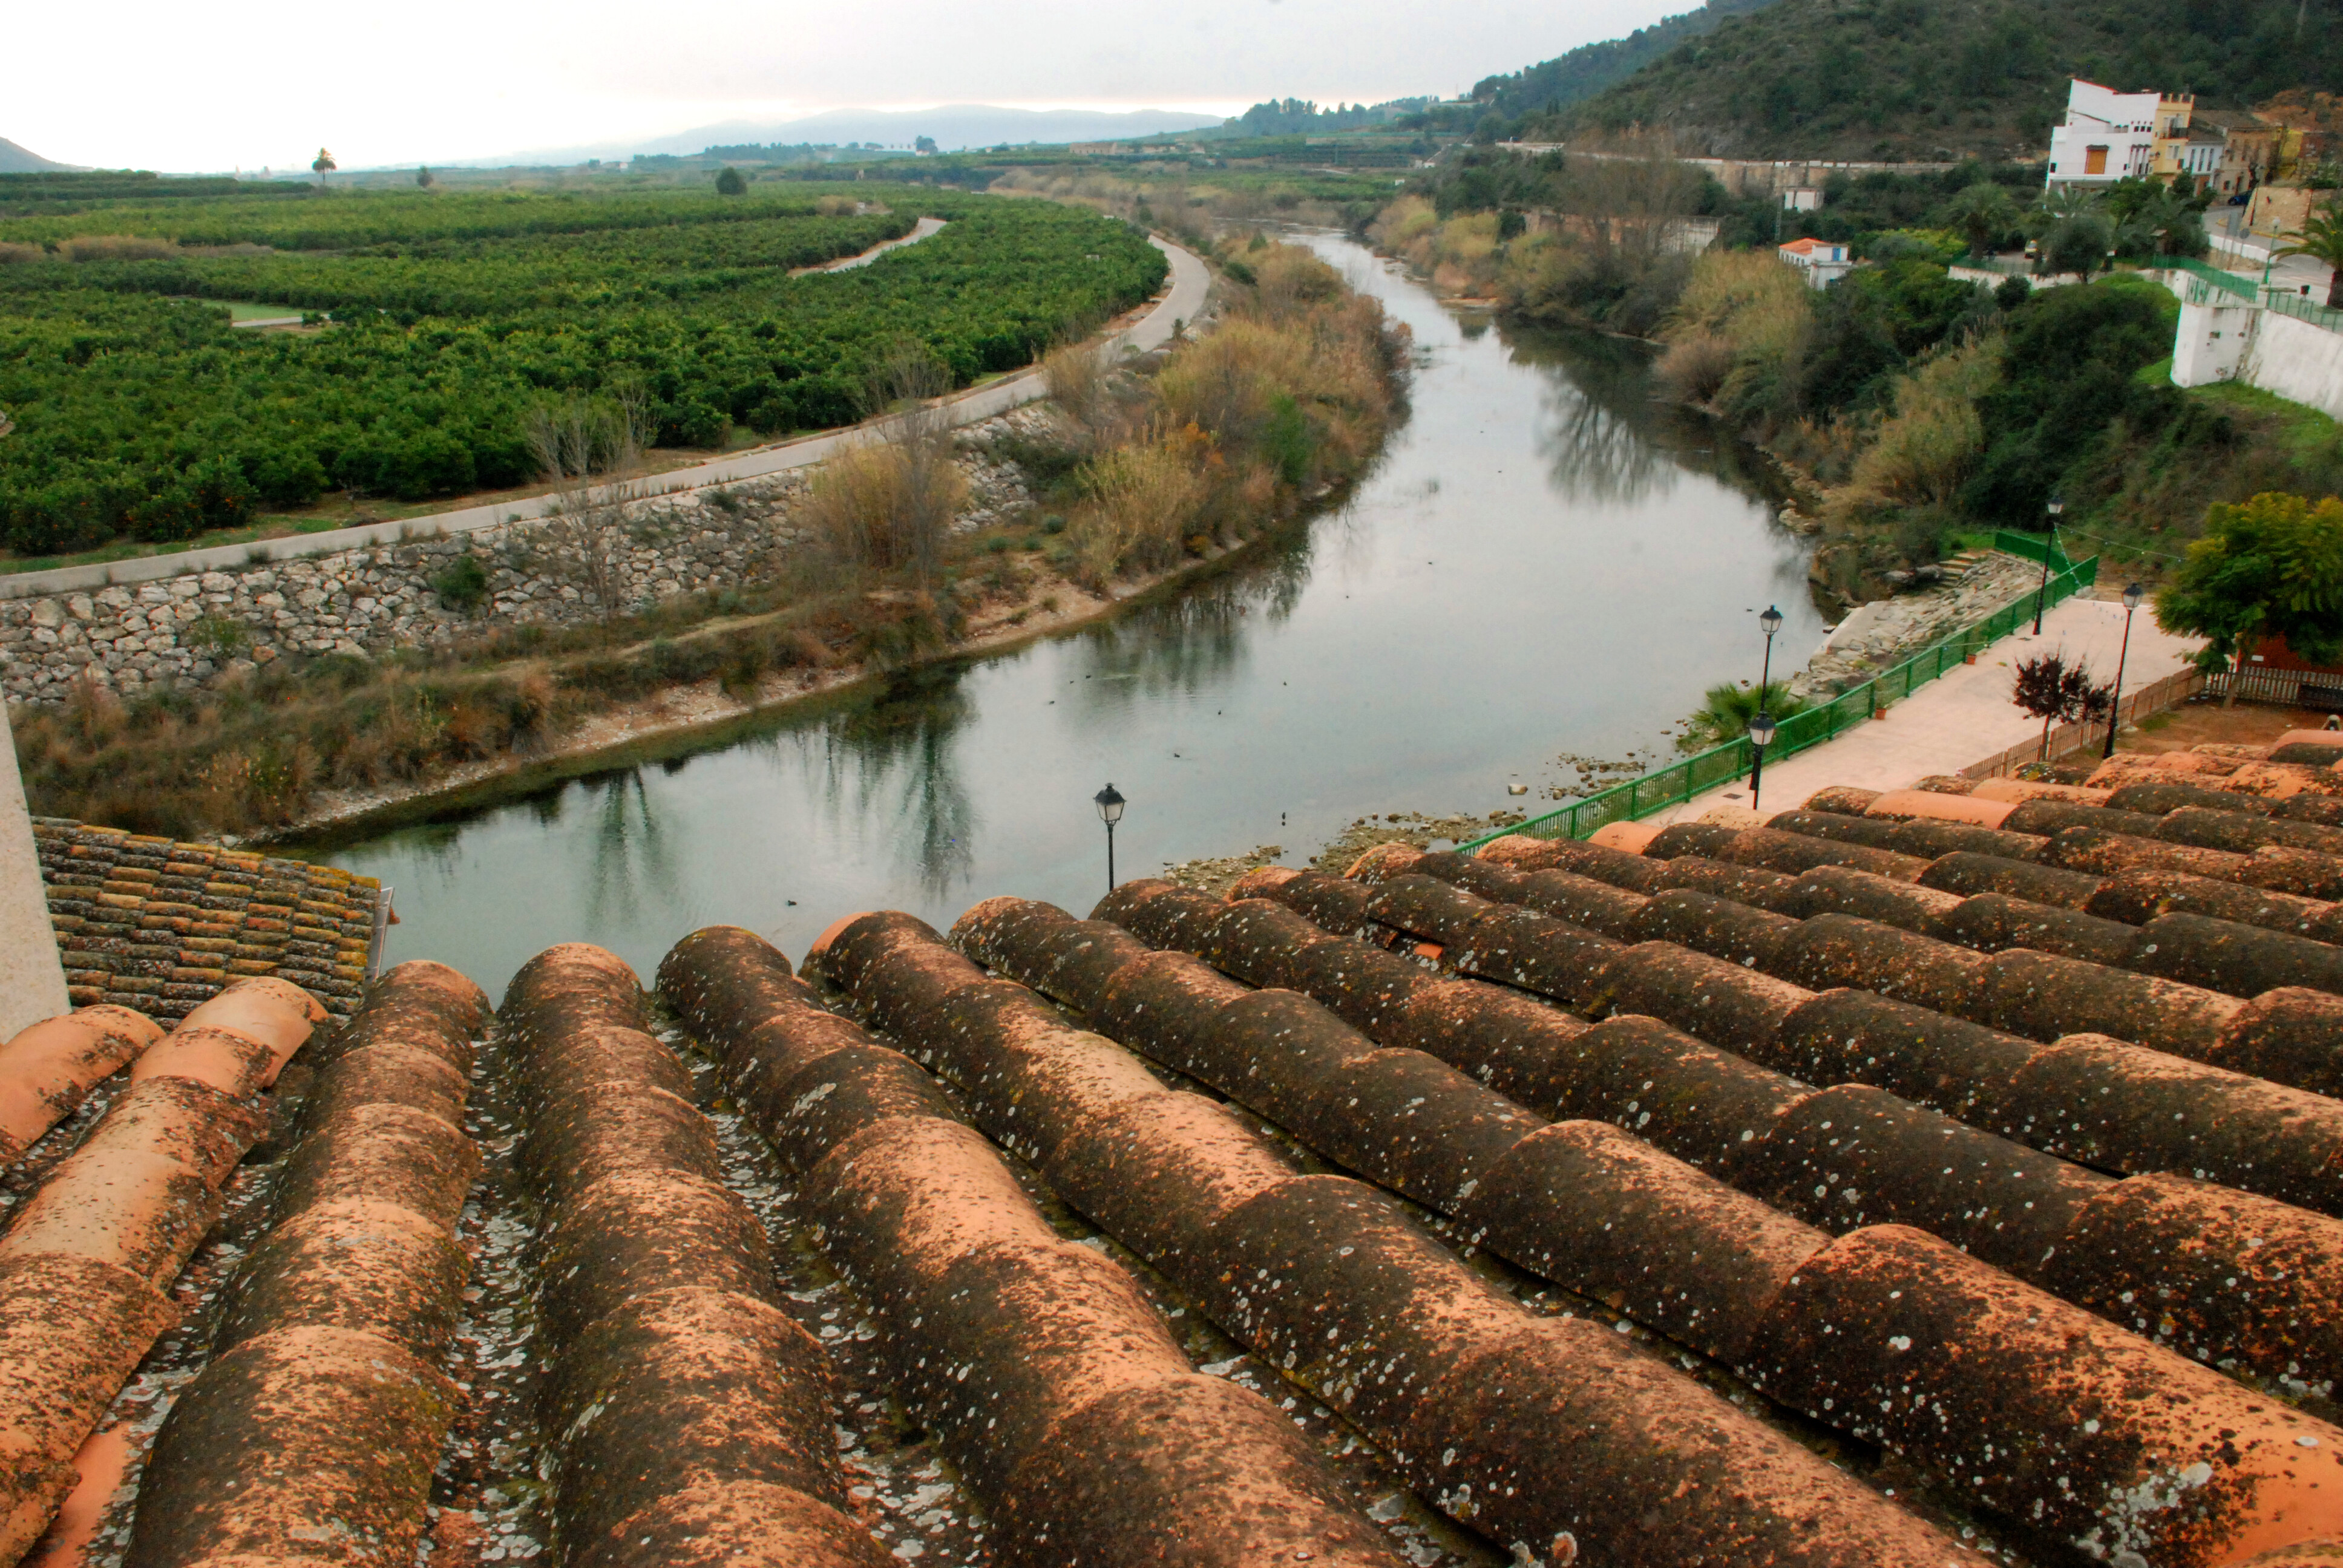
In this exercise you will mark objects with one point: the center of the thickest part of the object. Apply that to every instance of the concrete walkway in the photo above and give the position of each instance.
(1181, 302)
(1964, 716)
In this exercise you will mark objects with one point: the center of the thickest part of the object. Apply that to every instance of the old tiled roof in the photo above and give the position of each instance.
(1913, 1178)
(147, 923)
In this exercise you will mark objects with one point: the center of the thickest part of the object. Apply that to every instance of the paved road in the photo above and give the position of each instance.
(1181, 302)
(1963, 717)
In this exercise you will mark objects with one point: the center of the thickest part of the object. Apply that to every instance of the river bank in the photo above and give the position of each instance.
(694, 716)
(1139, 473)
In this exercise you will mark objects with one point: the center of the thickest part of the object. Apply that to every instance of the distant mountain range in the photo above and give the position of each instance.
(954, 126)
(17, 160)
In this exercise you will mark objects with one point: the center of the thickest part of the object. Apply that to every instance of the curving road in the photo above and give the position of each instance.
(1183, 301)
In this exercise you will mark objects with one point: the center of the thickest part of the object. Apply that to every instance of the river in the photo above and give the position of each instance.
(1544, 562)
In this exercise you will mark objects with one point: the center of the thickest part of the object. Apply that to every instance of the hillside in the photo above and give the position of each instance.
(1586, 70)
(1905, 78)
(17, 160)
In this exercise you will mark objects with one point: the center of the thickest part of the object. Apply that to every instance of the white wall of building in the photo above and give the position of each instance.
(32, 975)
(2212, 342)
(2299, 362)
(2123, 124)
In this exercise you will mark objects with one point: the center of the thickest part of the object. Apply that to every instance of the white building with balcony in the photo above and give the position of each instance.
(2108, 137)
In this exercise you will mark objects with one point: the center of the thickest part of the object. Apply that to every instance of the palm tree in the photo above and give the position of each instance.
(323, 164)
(1727, 712)
(1983, 213)
(2321, 239)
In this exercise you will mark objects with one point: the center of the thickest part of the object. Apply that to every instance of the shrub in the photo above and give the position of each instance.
(1923, 453)
(217, 635)
(462, 584)
(888, 506)
(1695, 367)
(731, 183)
(1142, 502)
(1077, 381)
(1727, 707)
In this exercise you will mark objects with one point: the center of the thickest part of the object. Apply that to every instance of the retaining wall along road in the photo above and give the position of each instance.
(198, 626)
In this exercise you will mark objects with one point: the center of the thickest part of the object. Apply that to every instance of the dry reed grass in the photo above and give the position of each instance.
(888, 506)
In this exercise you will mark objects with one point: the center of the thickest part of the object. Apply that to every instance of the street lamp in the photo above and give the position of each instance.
(1772, 621)
(1109, 804)
(2048, 543)
(2132, 596)
(1761, 736)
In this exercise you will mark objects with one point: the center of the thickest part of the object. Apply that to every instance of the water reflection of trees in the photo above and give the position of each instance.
(1194, 641)
(633, 863)
(1605, 438)
(1594, 452)
(892, 761)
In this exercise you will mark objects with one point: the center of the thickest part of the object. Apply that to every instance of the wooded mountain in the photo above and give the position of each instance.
(1586, 70)
(1923, 79)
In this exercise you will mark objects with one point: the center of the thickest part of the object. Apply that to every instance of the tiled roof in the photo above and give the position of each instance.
(1916, 1178)
(156, 925)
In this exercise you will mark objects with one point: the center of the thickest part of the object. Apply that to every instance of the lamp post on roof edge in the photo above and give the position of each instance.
(1761, 736)
(2131, 598)
(2049, 543)
(1109, 804)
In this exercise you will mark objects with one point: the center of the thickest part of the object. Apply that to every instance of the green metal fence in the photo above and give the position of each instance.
(2245, 287)
(1703, 771)
(2287, 303)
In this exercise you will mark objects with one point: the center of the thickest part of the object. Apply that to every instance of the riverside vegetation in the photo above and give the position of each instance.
(133, 410)
(1919, 409)
(1137, 473)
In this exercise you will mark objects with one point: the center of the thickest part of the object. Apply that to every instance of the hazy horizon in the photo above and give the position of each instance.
(441, 81)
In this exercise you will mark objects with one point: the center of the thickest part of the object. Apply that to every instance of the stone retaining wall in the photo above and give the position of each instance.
(196, 630)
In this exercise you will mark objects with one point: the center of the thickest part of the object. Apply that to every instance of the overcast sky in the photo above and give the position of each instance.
(178, 86)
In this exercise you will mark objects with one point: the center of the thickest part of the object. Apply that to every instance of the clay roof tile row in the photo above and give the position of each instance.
(1991, 1367)
(1332, 1281)
(85, 1262)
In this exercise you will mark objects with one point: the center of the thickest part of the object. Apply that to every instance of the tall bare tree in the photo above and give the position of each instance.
(590, 455)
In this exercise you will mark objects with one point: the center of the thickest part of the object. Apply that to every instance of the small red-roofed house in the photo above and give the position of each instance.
(1821, 260)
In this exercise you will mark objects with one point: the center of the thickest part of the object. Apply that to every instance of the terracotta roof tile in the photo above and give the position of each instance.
(98, 877)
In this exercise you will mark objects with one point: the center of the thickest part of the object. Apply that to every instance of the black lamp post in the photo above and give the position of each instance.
(2049, 543)
(2132, 596)
(1109, 804)
(1772, 622)
(1761, 736)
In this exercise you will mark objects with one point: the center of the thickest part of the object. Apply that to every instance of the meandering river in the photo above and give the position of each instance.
(1546, 562)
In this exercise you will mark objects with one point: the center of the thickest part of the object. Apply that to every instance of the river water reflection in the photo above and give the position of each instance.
(1545, 561)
